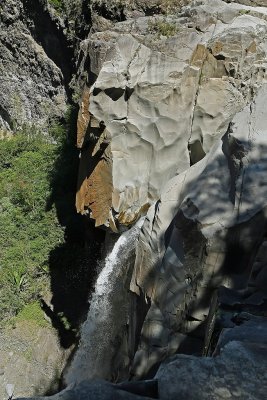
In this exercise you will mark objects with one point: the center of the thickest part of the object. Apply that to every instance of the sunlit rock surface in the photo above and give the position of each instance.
(31, 359)
(218, 378)
(173, 126)
(158, 104)
(33, 52)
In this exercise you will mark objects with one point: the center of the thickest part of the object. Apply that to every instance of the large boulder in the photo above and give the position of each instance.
(238, 373)
(97, 390)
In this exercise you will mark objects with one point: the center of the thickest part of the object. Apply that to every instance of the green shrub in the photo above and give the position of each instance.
(32, 312)
(243, 12)
(43, 252)
(28, 231)
(162, 28)
(57, 4)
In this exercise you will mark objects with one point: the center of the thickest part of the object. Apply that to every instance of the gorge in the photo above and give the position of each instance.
(171, 192)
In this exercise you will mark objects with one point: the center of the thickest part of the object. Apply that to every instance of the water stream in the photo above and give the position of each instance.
(102, 332)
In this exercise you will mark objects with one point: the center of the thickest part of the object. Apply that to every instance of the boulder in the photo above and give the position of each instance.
(98, 390)
(31, 358)
(239, 372)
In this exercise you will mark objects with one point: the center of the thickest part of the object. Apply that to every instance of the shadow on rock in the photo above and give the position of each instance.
(72, 264)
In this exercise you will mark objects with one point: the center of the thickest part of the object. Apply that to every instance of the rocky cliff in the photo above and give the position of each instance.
(165, 91)
(32, 84)
(172, 133)
(38, 44)
(172, 127)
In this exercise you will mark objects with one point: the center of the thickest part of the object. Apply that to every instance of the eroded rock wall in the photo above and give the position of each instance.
(158, 104)
(172, 126)
(35, 66)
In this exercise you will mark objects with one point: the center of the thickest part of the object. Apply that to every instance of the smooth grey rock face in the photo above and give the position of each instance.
(32, 88)
(252, 329)
(92, 391)
(239, 372)
(178, 125)
(163, 102)
(207, 224)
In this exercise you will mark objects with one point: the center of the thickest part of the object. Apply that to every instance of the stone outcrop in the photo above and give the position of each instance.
(213, 232)
(31, 358)
(35, 66)
(242, 342)
(172, 126)
(237, 371)
(158, 104)
(218, 378)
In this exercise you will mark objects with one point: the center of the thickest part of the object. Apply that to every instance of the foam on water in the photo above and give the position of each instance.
(106, 314)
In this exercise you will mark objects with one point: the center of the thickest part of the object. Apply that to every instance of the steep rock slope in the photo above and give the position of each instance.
(35, 66)
(159, 103)
(171, 127)
(173, 122)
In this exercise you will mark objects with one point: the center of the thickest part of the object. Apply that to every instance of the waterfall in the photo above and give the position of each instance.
(102, 332)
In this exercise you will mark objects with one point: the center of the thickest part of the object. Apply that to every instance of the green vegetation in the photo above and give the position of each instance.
(243, 12)
(162, 28)
(28, 231)
(32, 312)
(43, 252)
(57, 4)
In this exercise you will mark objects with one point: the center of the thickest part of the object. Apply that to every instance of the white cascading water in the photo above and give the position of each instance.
(107, 314)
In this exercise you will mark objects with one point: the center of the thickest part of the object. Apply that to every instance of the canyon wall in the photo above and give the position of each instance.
(172, 127)
(36, 66)
(172, 136)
